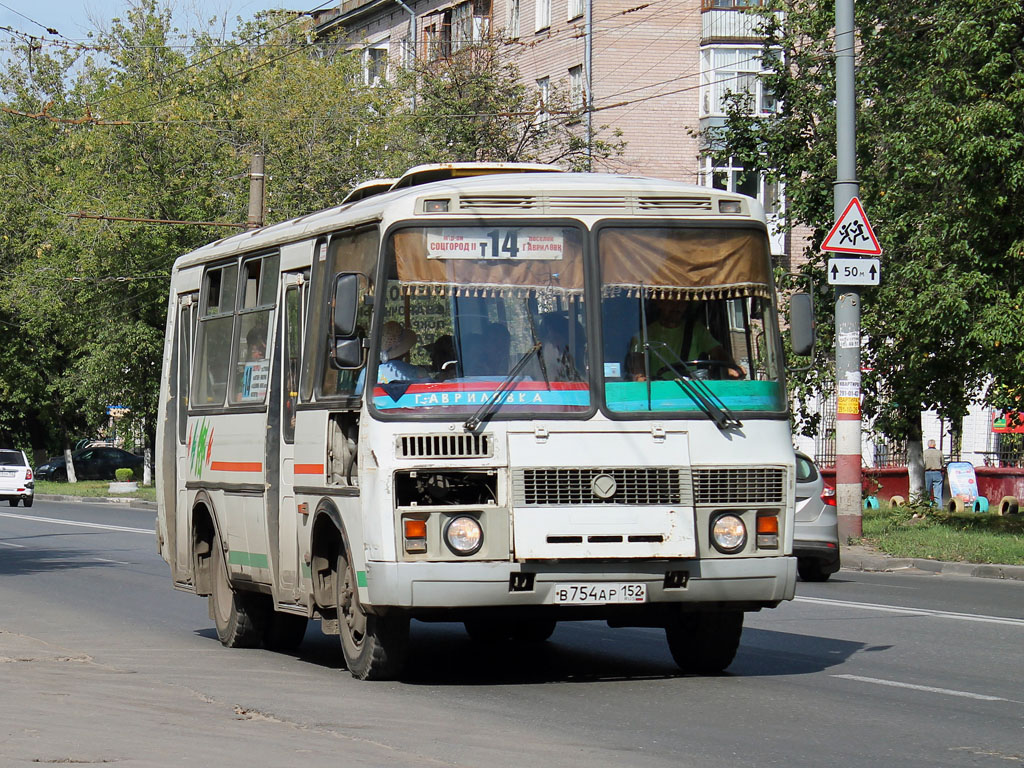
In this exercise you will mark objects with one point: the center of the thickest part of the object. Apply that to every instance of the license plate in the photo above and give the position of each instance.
(7, 473)
(600, 593)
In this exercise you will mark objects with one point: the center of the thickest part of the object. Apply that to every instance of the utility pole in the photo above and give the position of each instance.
(257, 186)
(848, 417)
(588, 96)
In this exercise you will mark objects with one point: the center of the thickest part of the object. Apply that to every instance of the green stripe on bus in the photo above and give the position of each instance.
(251, 559)
(361, 578)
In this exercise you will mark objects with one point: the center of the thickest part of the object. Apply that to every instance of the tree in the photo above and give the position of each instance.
(940, 89)
(473, 105)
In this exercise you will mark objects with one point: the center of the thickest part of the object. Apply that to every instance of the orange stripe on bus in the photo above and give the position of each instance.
(236, 466)
(309, 469)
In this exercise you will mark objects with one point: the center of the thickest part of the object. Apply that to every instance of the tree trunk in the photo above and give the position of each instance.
(915, 456)
(69, 463)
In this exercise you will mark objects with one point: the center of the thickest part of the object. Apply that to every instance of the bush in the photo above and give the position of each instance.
(124, 474)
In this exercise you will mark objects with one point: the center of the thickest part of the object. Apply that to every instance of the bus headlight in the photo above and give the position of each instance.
(464, 535)
(728, 533)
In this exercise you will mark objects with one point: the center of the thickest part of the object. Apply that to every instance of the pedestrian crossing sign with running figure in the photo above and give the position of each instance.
(852, 233)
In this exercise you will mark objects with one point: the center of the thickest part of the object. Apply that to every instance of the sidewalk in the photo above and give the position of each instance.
(861, 558)
(122, 500)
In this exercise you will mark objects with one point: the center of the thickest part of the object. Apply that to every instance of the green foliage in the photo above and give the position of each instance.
(928, 532)
(940, 145)
(124, 474)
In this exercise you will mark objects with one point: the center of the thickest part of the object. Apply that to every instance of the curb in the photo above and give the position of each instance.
(122, 501)
(859, 558)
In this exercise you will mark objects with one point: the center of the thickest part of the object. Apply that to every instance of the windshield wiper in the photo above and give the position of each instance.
(696, 388)
(484, 411)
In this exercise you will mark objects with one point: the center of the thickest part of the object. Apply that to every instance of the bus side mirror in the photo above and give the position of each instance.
(801, 323)
(348, 353)
(346, 303)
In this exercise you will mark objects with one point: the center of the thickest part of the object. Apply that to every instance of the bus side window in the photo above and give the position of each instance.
(213, 357)
(256, 301)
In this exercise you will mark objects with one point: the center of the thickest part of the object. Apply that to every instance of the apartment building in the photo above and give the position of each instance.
(658, 71)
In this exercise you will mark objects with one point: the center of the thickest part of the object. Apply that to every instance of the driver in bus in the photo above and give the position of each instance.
(395, 342)
(677, 324)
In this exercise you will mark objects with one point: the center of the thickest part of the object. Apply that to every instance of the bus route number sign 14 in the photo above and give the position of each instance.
(853, 271)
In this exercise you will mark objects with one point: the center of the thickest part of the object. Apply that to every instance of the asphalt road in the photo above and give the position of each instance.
(101, 661)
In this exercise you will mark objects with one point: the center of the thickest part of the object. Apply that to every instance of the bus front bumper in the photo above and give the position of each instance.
(756, 582)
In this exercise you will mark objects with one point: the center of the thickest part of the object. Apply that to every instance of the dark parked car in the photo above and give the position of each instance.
(90, 464)
(816, 536)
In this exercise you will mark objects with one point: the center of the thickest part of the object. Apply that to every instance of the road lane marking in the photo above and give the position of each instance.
(913, 611)
(107, 560)
(925, 688)
(9, 544)
(58, 521)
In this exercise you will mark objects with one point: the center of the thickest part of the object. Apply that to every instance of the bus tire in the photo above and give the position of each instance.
(374, 646)
(705, 643)
(240, 617)
(284, 631)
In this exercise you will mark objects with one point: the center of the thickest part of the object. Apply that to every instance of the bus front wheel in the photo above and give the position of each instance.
(240, 617)
(705, 643)
(374, 646)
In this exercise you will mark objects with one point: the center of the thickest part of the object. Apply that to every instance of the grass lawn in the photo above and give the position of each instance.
(93, 488)
(931, 533)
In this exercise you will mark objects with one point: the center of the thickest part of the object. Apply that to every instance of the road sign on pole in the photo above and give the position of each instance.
(853, 271)
(852, 233)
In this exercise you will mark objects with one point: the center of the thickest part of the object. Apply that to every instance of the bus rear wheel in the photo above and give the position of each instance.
(240, 617)
(374, 646)
(705, 643)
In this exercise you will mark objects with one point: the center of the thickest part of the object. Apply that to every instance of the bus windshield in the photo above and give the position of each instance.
(465, 308)
(687, 320)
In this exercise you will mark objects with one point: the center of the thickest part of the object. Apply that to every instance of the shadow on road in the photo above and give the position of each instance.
(578, 652)
(15, 561)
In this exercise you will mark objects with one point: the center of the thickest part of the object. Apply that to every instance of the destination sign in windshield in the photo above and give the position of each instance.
(505, 243)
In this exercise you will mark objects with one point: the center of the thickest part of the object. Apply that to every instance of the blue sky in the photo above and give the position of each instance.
(73, 20)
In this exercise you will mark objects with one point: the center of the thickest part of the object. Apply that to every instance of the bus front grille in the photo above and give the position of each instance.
(445, 446)
(631, 486)
(739, 486)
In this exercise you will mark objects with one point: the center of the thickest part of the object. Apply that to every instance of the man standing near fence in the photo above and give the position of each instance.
(933, 472)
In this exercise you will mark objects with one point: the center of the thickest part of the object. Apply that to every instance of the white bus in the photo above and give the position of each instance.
(500, 395)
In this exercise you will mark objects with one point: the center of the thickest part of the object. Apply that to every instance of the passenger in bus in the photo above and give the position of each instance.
(678, 325)
(256, 344)
(395, 342)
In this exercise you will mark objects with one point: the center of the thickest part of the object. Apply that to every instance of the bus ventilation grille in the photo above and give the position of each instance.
(641, 486)
(445, 446)
(739, 486)
(492, 203)
(685, 203)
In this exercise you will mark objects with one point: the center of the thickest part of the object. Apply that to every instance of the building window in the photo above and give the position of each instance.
(729, 5)
(575, 9)
(733, 177)
(542, 16)
(513, 20)
(375, 63)
(577, 91)
(733, 70)
(543, 96)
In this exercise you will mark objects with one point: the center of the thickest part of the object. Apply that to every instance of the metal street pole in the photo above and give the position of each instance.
(848, 420)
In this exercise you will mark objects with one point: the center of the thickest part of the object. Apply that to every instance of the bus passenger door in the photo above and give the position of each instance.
(290, 328)
(179, 523)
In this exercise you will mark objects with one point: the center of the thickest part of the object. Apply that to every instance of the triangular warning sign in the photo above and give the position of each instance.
(852, 233)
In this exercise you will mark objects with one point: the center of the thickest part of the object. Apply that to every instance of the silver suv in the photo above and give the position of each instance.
(16, 482)
(816, 536)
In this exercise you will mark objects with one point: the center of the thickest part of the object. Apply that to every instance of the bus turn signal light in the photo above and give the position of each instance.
(768, 531)
(415, 536)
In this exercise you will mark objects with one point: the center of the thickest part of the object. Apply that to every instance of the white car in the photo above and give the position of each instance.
(15, 478)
